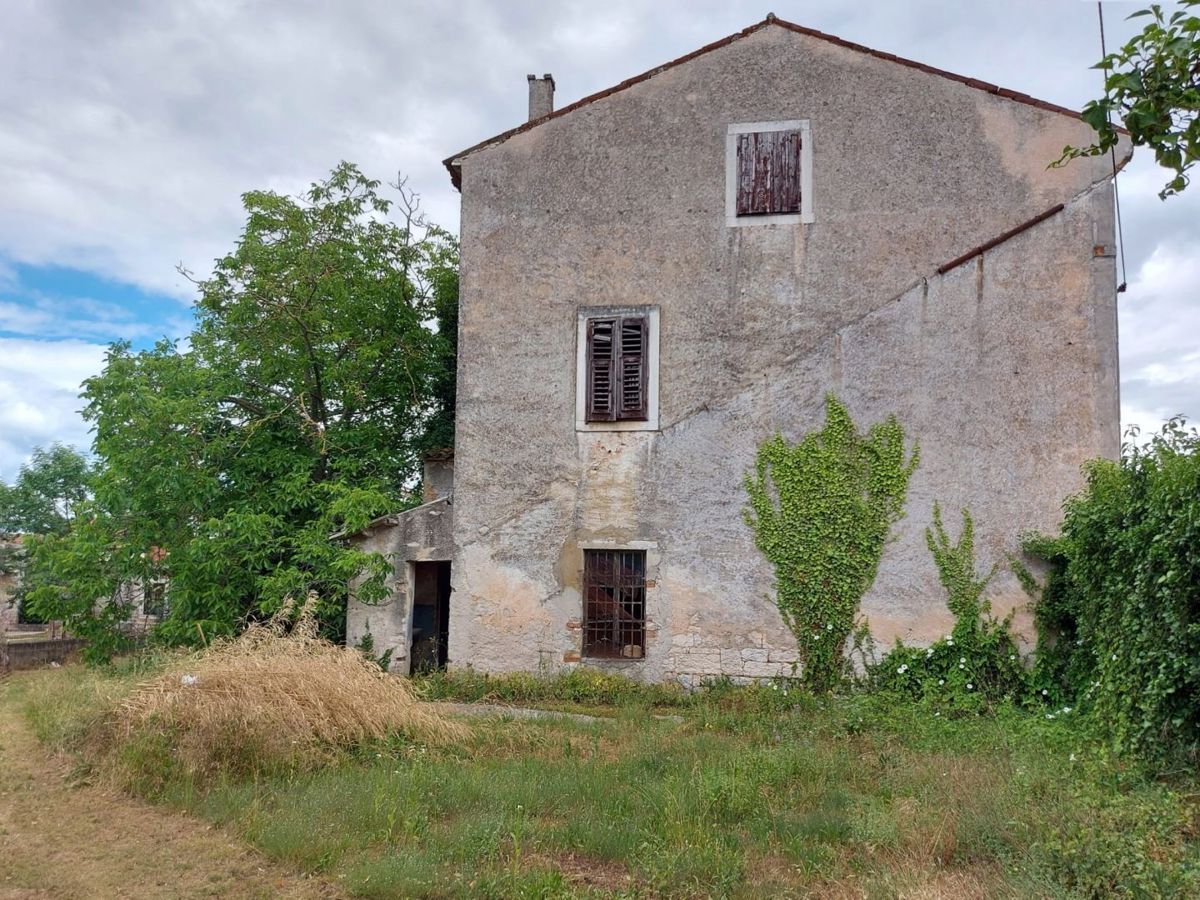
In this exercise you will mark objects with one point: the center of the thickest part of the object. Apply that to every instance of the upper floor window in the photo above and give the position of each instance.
(768, 173)
(617, 369)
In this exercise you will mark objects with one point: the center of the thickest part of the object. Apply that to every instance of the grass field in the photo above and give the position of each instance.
(756, 792)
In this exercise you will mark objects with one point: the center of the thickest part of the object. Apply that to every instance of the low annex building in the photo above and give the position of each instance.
(659, 277)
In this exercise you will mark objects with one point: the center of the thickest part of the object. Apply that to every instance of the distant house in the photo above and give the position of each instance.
(11, 551)
(659, 277)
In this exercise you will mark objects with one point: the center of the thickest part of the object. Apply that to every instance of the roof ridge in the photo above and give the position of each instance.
(986, 86)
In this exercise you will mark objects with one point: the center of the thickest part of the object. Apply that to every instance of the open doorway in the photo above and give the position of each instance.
(430, 615)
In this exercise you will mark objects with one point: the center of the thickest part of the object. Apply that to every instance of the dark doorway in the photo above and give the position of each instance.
(430, 615)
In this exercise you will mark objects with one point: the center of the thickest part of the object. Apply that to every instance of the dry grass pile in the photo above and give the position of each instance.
(276, 697)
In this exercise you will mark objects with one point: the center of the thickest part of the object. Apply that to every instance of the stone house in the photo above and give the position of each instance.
(659, 277)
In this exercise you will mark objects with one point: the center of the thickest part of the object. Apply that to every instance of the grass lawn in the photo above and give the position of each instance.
(753, 793)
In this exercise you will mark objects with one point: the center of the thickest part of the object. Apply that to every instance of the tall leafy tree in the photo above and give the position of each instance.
(1152, 87)
(299, 407)
(47, 492)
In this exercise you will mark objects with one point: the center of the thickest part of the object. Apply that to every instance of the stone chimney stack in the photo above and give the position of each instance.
(541, 96)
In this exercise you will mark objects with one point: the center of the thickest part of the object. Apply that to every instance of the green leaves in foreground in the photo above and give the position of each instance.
(300, 406)
(1152, 85)
(1123, 597)
(821, 510)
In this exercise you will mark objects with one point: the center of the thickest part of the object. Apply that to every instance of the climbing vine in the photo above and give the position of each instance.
(978, 661)
(821, 510)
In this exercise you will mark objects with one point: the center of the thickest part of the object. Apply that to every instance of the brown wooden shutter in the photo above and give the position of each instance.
(768, 173)
(601, 365)
(631, 399)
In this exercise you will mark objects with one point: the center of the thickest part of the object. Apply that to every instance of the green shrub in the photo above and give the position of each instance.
(1120, 611)
(1124, 845)
(978, 662)
(580, 685)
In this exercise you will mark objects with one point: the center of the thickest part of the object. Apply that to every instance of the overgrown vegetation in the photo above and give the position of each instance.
(756, 792)
(1120, 611)
(300, 405)
(821, 510)
(276, 699)
(977, 664)
(44, 499)
(578, 685)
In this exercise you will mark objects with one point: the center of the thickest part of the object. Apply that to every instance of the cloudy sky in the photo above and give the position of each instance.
(129, 129)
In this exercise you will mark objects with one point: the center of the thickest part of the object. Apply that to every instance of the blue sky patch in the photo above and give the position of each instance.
(60, 302)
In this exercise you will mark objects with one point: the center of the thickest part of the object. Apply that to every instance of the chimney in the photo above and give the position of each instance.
(541, 96)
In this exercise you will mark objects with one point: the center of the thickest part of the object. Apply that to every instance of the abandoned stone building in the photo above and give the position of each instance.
(659, 277)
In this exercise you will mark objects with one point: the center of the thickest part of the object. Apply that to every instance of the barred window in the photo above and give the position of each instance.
(614, 608)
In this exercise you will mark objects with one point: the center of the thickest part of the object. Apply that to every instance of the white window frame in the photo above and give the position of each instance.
(732, 219)
(650, 423)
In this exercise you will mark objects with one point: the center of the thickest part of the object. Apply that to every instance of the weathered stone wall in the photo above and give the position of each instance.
(437, 480)
(422, 533)
(9, 611)
(30, 654)
(1004, 369)
(10, 550)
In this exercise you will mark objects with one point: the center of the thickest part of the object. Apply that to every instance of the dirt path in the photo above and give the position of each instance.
(57, 840)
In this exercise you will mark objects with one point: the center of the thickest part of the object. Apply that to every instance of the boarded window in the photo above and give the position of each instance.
(614, 606)
(768, 173)
(154, 599)
(616, 368)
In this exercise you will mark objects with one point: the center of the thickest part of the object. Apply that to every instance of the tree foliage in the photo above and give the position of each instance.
(299, 407)
(821, 510)
(1120, 613)
(1152, 86)
(44, 500)
(47, 493)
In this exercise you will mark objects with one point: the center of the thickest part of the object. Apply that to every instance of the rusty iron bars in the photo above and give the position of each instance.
(614, 613)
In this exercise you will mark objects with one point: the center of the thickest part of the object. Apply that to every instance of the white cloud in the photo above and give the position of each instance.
(128, 131)
(39, 396)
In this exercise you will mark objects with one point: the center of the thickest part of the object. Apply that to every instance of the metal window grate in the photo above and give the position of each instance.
(614, 609)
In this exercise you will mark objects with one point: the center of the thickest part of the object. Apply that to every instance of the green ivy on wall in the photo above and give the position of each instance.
(821, 510)
(978, 662)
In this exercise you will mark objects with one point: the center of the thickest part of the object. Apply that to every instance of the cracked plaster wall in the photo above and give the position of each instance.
(415, 535)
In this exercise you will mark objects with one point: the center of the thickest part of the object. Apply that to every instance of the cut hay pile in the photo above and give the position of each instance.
(276, 697)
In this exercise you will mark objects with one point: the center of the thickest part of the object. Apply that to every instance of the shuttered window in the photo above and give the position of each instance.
(768, 172)
(616, 369)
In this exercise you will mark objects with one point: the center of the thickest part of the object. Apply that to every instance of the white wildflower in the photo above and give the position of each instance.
(941, 681)
(902, 670)
(970, 687)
